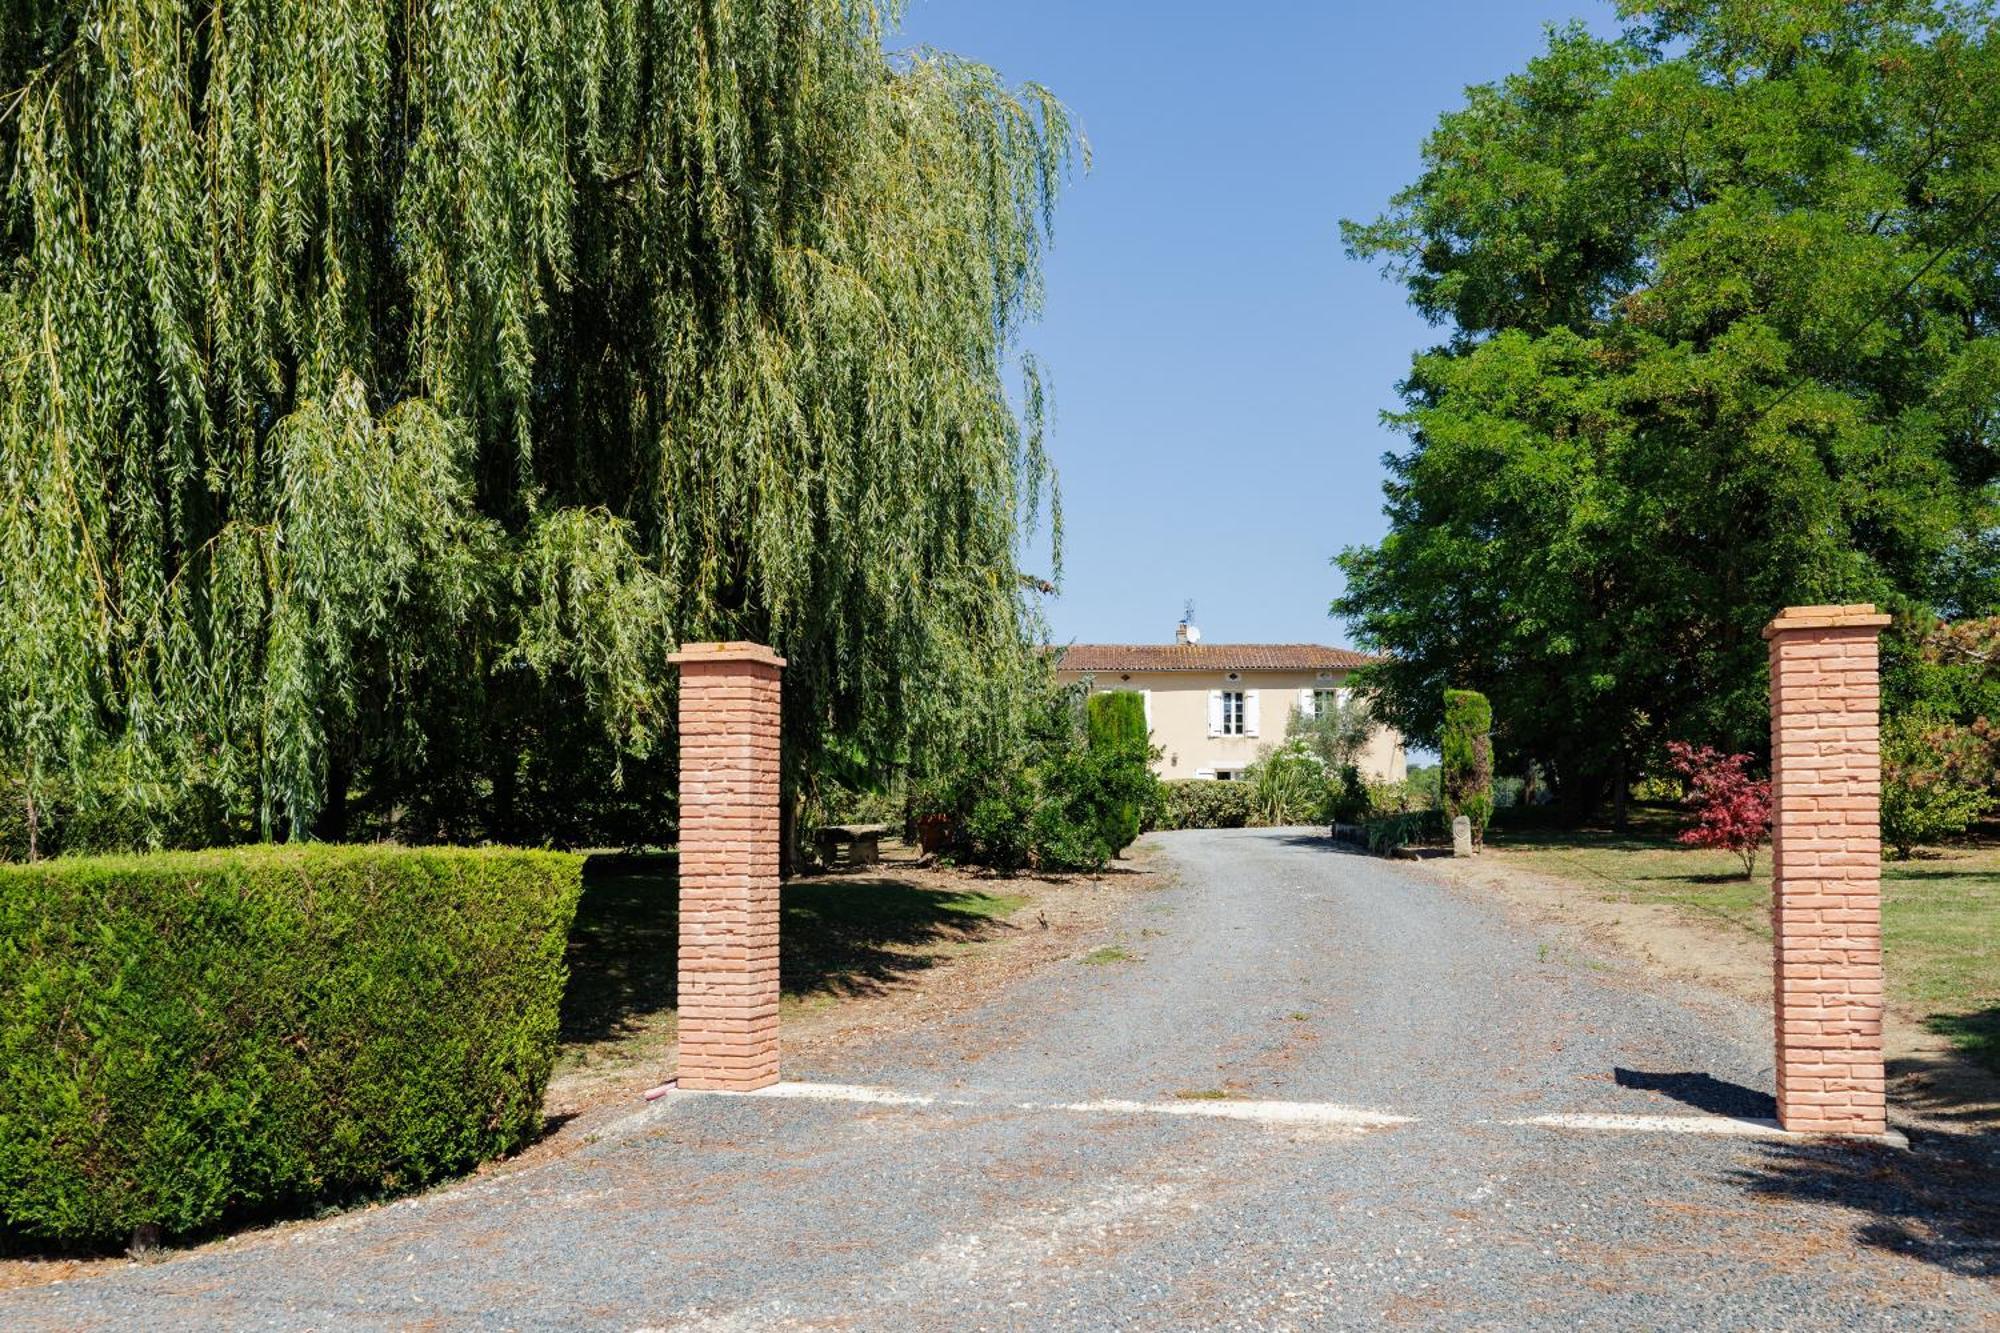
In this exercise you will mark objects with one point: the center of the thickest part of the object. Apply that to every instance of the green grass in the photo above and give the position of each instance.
(838, 937)
(1109, 954)
(1205, 1095)
(1940, 911)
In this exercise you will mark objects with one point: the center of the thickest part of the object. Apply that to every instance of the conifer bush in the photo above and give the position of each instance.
(1466, 749)
(190, 1038)
(1117, 730)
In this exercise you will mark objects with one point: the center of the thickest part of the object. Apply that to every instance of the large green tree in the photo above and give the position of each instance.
(1722, 302)
(386, 388)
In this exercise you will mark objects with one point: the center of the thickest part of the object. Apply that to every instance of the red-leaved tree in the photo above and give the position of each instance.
(1731, 809)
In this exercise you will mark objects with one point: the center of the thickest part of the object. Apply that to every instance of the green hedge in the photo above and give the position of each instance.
(188, 1038)
(1200, 803)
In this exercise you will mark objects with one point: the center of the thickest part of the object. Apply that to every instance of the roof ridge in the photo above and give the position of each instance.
(1209, 656)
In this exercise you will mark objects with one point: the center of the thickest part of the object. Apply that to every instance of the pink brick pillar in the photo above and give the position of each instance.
(729, 866)
(1826, 842)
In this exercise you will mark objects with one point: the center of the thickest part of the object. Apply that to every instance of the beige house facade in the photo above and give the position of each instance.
(1213, 707)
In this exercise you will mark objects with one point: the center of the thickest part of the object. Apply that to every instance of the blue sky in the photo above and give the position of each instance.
(1219, 365)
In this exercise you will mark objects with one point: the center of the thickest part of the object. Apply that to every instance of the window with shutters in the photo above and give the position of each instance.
(1232, 712)
(1325, 702)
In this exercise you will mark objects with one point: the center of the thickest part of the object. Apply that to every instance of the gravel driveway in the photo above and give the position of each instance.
(1390, 1050)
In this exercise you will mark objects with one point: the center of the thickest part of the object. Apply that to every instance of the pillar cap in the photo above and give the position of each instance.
(1858, 616)
(692, 653)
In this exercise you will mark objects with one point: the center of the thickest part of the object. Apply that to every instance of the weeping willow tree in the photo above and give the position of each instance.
(385, 389)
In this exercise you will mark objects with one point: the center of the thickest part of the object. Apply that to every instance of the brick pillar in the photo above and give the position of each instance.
(1826, 842)
(728, 866)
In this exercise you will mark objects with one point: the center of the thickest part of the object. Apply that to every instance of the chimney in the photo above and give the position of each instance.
(1187, 632)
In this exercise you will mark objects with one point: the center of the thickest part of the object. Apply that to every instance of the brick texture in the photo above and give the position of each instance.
(1826, 901)
(728, 866)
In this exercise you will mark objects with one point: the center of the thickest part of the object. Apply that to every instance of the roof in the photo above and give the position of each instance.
(1210, 657)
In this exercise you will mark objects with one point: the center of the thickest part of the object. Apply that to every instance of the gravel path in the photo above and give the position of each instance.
(1036, 1162)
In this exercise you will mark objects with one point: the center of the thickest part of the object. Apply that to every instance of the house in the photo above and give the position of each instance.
(1213, 706)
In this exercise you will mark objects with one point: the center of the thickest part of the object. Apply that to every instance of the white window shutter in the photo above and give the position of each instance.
(1205, 773)
(1147, 697)
(1215, 712)
(1250, 712)
(1345, 695)
(1307, 703)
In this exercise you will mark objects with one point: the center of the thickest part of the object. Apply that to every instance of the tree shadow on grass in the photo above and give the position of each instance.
(1923, 869)
(843, 935)
(1977, 1034)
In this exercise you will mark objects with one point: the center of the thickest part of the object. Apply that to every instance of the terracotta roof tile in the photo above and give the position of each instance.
(1209, 657)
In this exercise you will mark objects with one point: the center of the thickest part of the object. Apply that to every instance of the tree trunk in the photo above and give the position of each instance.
(506, 794)
(1621, 794)
(788, 832)
(331, 826)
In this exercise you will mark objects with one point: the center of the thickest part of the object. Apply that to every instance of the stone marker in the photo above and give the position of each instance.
(1461, 836)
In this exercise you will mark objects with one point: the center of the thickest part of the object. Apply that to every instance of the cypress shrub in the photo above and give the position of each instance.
(1118, 717)
(1466, 750)
(1117, 728)
(191, 1038)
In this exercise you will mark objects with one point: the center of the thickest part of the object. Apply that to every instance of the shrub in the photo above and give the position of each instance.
(1351, 801)
(187, 1038)
(1731, 809)
(82, 812)
(1383, 834)
(1081, 814)
(997, 830)
(1117, 727)
(1415, 828)
(1200, 803)
(1936, 780)
(1069, 796)
(1288, 786)
(1466, 753)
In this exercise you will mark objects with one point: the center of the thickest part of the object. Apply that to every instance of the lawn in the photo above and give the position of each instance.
(839, 936)
(1940, 910)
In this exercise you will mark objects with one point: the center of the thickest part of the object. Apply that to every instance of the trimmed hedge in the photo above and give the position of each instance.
(188, 1038)
(1200, 803)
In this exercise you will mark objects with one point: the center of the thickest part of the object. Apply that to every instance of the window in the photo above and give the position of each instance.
(1325, 702)
(1232, 712)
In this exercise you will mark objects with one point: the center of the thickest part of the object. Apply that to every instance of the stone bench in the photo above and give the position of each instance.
(851, 844)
